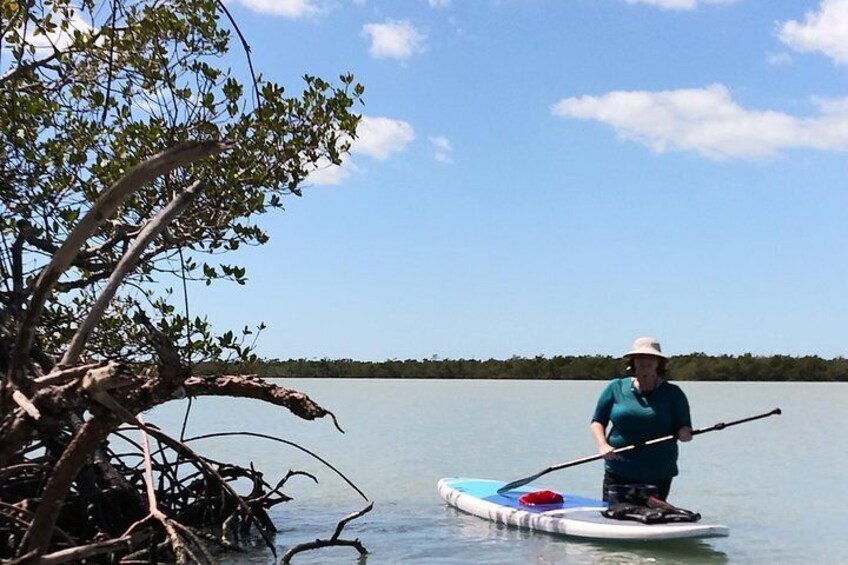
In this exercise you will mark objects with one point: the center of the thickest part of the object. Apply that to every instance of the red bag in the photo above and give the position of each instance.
(541, 497)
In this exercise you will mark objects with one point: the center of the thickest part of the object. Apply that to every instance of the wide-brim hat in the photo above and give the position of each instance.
(646, 346)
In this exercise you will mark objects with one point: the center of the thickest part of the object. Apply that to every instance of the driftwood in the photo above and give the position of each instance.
(334, 540)
(67, 493)
(59, 509)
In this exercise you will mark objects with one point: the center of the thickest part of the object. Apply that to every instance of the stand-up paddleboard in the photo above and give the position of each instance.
(575, 516)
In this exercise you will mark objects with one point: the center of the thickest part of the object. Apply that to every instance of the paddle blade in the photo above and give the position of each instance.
(520, 482)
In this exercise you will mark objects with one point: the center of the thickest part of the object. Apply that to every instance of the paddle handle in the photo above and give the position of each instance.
(721, 425)
(714, 428)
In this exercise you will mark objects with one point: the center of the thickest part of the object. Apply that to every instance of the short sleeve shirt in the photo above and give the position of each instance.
(638, 417)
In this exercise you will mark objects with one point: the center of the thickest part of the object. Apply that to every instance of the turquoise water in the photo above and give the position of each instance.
(778, 483)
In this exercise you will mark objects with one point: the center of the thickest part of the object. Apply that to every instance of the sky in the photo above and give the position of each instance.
(559, 177)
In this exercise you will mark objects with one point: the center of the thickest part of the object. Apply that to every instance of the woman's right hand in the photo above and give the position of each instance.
(599, 433)
(605, 450)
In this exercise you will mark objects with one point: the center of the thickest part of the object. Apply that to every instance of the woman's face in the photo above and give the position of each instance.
(645, 365)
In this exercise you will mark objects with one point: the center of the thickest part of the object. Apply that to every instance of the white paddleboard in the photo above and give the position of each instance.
(576, 516)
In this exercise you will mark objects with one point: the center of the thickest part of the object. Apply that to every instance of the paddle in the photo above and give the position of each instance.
(557, 467)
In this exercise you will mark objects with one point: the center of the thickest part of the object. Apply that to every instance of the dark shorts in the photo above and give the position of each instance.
(611, 479)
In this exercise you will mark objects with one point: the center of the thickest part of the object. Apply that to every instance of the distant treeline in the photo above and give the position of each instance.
(694, 367)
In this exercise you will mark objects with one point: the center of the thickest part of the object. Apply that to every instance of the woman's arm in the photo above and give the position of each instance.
(599, 433)
(683, 417)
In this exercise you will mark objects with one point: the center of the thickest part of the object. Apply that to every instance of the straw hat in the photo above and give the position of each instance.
(646, 346)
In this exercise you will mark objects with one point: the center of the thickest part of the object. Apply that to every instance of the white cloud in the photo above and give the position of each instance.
(45, 45)
(709, 122)
(679, 4)
(326, 173)
(442, 147)
(825, 31)
(779, 59)
(394, 39)
(439, 3)
(57, 38)
(292, 9)
(832, 106)
(379, 137)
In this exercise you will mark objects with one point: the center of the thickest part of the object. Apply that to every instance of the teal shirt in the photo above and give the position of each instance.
(636, 418)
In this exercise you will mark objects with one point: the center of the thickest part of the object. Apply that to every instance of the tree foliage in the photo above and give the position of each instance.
(85, 103)
(692, 367)
(133, 158)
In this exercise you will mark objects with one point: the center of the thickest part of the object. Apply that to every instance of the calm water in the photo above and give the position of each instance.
(779, 483)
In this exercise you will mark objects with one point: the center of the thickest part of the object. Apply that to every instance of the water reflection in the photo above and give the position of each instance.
(544, 548)
(669, 551)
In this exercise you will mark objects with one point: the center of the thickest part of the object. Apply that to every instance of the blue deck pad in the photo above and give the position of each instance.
(510, 499)
(488, 491)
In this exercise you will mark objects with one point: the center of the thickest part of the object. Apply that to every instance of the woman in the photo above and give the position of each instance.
(641, 406)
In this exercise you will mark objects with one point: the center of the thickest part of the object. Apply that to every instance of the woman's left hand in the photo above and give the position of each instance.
(684, 434)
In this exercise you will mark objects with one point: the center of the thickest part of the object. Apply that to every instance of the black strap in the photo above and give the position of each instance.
(650, 515)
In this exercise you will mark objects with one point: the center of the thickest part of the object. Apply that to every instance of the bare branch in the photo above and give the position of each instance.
(80, 553)
(151, 231)
(31, 66)
(251, 386)
(333, 541)
(186, 451)
(25, 404)
(21, 70)
(161, 163)
(68, 467)
(168, 354)
(62, 376)
(83, 260)
(287, 442)
(246, 46)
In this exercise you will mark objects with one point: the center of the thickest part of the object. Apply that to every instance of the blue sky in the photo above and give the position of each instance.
(541, 177)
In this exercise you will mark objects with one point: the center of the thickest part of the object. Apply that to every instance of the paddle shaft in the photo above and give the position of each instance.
(575, 462)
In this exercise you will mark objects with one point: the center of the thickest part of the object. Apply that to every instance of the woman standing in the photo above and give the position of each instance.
(641, 406)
